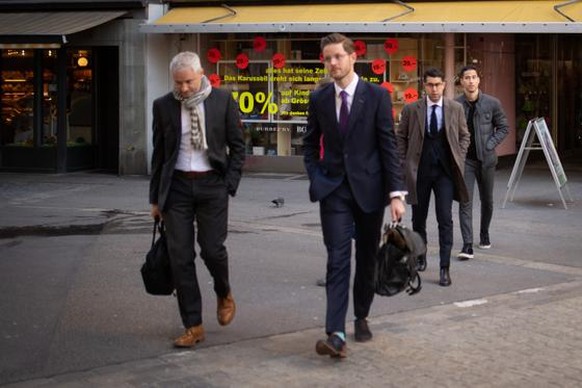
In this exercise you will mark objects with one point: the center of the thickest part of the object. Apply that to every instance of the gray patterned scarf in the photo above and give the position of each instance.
(191, 103)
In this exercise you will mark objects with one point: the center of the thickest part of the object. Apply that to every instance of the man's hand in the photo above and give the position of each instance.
(156, 213)
(397, 209)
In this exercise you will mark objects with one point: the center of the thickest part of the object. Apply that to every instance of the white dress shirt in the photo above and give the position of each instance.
(190, 159)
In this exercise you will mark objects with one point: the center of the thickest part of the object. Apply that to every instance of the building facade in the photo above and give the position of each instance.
(73, 86)
(268, 56)
(78, 77)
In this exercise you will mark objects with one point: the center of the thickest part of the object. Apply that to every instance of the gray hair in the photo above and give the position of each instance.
(185, 59)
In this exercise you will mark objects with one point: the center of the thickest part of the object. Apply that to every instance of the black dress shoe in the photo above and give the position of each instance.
(361, 330)
(333, 346)
(421, 263)
(445, 279)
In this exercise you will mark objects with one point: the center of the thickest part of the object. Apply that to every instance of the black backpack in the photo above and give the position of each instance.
(397, 261)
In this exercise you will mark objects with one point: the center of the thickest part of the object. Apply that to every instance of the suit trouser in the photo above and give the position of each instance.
(433, 178)
(485, 178)
(204, 201)
(341, 220)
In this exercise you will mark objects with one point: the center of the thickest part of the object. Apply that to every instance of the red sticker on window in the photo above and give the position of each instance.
(214, 80)
(378, 66)
(391, 46)
(259, 44)
(388, 86)
(278, 61)
(360, 47)
(213, 55)
(242, 61)
(410, 95)
(409, 63)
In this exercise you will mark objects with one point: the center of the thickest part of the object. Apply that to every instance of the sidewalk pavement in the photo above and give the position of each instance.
(510, 319)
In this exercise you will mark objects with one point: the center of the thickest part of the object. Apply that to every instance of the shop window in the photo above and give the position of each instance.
(271, 77)
(17, 85)
(534, 80)
(80, 98)
(569, 104)
(49, 97)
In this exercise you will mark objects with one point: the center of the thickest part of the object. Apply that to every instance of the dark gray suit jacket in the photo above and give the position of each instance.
(226, 150)
(366, 155)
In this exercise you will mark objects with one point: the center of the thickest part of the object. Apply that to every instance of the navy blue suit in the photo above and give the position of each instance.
(352, 182)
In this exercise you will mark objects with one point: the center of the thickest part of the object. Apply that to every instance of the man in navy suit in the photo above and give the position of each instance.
(196, 164)
(358, 176)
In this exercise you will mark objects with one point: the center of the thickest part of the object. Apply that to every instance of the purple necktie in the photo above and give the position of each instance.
(343, 117)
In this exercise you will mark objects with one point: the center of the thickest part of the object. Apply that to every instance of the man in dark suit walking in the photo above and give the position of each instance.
(196, 164)
(358, 176)
(433, 139)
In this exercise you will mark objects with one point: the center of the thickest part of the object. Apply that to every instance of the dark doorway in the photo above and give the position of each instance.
(107, 108)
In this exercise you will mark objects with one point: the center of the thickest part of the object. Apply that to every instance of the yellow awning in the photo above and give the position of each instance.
(469, 16)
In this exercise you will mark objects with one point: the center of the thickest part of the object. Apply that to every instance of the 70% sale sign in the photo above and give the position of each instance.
(247, 100)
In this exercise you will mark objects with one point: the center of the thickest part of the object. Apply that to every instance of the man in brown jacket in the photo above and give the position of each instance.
(433, 140)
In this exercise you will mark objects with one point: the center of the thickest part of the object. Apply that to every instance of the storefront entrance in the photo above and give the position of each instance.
(59, 109)
(549, 85)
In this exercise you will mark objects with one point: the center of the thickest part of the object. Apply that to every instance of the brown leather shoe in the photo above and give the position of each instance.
(225, 310)
(192, 336)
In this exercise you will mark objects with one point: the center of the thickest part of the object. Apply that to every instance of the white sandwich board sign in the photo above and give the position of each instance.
(538, 127)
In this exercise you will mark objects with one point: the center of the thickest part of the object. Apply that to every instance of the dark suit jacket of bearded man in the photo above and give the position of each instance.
(366, 154)
(226, 149)
(411, 132)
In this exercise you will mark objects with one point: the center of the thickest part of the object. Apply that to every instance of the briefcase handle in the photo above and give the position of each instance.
(158, 225)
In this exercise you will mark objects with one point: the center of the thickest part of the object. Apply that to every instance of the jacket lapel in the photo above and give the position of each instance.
(175, 110)
(358, 103)
(327, 102)
(421, 116)
(209, 104)
(447, 115)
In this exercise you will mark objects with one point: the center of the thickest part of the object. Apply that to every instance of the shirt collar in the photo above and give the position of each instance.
(350, 89)
(429, 103)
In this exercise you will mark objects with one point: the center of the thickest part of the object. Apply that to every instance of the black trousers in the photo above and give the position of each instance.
(200, 203)
(341, 221)
(433, 178)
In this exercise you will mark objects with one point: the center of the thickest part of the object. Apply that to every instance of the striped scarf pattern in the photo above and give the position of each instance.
(191, 103)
